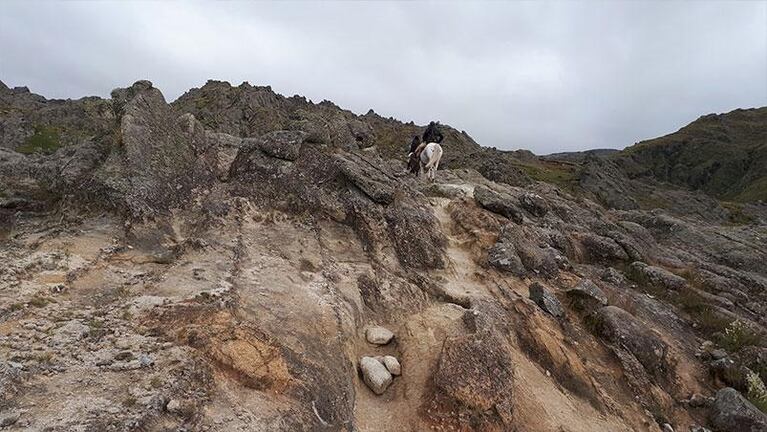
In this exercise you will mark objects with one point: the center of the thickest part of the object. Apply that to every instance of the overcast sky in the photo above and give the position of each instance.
(548, 77)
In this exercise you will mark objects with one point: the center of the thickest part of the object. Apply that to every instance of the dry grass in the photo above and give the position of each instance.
(737, 336)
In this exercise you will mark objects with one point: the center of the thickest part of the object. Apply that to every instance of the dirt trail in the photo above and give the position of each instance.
(541, 404)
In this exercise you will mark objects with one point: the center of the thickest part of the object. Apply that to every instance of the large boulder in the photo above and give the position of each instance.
(503, 256)
(525, 250)
(731, 412)
(281, 144)
(369, 177)
(475, 377)
(600, 249)
(539, 259)
(587, 295)
(624, 331)
(417, 235)
(495, 202)
(535, 204)
(656, 277)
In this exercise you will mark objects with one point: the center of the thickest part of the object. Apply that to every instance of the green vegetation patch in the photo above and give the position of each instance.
(737, 215)
(45, 140)
(561, 175)
(756, 191)
(652, 201)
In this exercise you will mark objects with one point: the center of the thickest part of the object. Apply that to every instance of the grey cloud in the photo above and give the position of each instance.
(544, 76)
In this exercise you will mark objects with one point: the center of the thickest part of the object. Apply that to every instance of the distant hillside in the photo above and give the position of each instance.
(579, 156)
(724, 155)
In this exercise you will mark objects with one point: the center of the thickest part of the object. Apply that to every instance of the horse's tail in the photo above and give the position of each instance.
(436, 155)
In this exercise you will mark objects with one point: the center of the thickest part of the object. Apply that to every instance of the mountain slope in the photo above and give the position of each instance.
(724, 155)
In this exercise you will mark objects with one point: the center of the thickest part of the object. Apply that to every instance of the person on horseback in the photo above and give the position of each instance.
(431, 134)
(412, 164)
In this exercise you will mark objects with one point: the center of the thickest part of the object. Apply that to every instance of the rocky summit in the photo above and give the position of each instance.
(240, 260)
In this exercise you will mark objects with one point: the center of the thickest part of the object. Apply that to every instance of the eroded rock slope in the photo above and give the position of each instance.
(197, 269)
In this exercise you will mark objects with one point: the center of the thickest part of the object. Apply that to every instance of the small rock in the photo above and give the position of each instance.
(174, 406)
(718, 354)
(379, 335)
(697, 400)
(696, 428)
(545, 299)
(375, 375)
(145, 360)
(392, 365)
(667, 428)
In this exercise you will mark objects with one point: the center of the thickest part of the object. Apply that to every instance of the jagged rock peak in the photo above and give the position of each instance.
(121, 96)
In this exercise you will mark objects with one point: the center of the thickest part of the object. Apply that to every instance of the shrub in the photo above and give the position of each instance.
(757, 392)
(706, 316)
(39, 301)
(738, 335)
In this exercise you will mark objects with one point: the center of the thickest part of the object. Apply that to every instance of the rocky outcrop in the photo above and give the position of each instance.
(498, 203)
(503, 256)
(587, 295)
(600, 249)
(534, 204)
(354, 188)
(474, 377)
(732, 412)
(156, 167)
(522, 251)
(656, 277)
(607, 182)
(626, 332)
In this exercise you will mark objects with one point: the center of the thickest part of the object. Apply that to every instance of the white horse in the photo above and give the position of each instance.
(430, 157)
